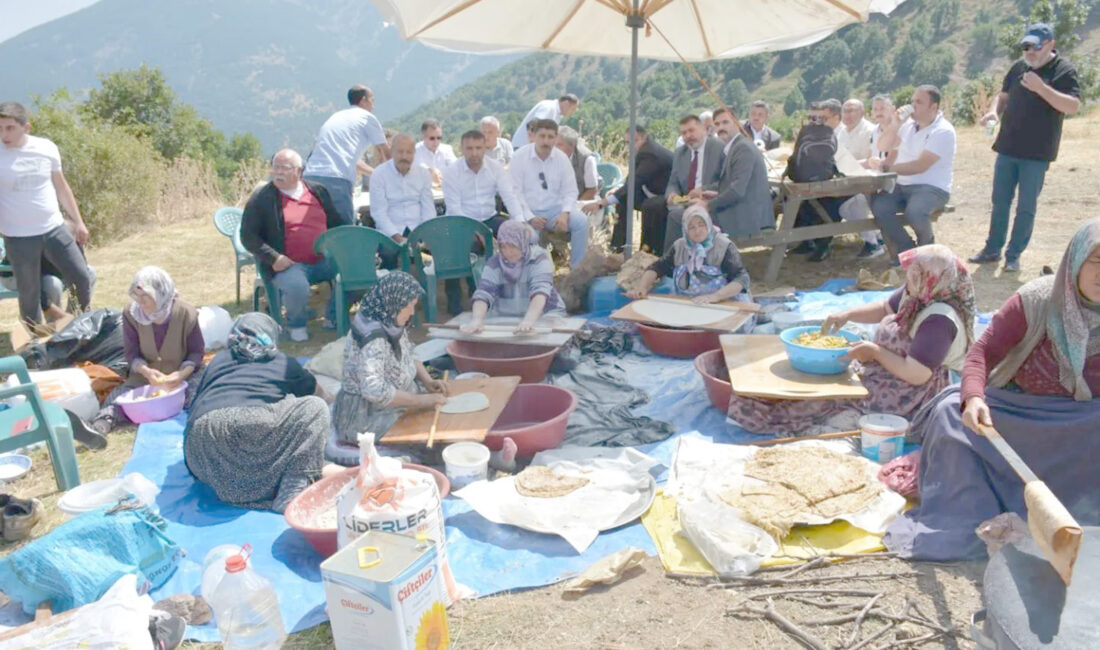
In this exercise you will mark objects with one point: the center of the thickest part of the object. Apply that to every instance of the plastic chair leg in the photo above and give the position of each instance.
(341, 301)
(238, 274)
(431, 303)
(63, 456)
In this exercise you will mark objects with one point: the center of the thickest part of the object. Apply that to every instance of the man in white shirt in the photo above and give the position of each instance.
(548, 109)
(923, 160)
(338, 153)
(472, 183)
(496, 147)
(548, 189)
(401, 192)
(853, 135)
(432, 152)
(882, 110)
(33, 191)
(582, 160)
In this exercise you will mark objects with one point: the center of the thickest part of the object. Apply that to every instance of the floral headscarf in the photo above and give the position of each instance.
(939, 276)
(1072, 324)
(155, 282)
(377, 315)
(697, 252)
(254, 337)
(516, 233)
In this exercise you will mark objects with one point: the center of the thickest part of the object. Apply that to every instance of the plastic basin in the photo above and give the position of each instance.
(301, 512)
(816, 361)
(529, 362)
(711, 366)
(678, 343)
(153, 409)
(534, 418)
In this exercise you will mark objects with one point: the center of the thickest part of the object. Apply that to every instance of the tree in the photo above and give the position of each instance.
(737, 96)
(838, 84)
(749, 69)
(944, 16)
(795, 101)
(983, 47)
(905, 58)
(137, 100)
(868, 44)
(878, 75)
(935, 66)
(823, 58)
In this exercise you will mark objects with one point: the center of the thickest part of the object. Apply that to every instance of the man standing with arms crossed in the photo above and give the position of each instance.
(1038, 91)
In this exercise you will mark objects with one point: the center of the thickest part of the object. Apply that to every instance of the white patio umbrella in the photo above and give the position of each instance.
(700, 30)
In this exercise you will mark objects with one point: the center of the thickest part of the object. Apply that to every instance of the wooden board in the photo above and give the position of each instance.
(727, 324)
(758, 367)
(414, 426)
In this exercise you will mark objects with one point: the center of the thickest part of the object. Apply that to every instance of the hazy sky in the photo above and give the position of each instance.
(18, 16)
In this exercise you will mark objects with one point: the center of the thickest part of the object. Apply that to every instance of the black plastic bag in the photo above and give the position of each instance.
(94, 336)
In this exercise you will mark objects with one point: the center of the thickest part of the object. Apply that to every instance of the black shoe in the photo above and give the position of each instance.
(1046, 270)
(85, 434)
(804, 248)
(166, 630)
(870, 251)
(985, 257)
(820, 255)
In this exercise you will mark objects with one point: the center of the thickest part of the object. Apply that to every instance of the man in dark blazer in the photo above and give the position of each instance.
(757, 126)
(652, 164)
(696, 163)
(281, 222)
(741, 202)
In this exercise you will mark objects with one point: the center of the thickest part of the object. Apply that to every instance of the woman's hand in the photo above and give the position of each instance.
(637, 294)
(436, 386)
(525, 326)
(705, 299)
(153, 376)
(472, 327)
(833, 322)
(431, 400)
(863, 352)
(975, 413)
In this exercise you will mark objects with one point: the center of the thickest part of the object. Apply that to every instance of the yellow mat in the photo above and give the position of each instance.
(678, 554)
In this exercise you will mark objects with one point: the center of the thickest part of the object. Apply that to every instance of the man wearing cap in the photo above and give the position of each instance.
(1037, 93)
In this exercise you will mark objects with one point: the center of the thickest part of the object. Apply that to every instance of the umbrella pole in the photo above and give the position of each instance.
(635, 22)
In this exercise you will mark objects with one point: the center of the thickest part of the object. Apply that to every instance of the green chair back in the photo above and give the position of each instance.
(450, 240)
(36, 420)
(352, 250)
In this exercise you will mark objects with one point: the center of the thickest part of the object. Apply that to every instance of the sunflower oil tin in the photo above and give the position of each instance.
(385, 591)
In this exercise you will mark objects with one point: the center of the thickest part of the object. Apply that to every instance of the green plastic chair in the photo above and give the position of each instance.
(6, 269)
(450, 240)
(610, 177)
(39, 421)
(352, 250)
(262, 286)
(228, 222)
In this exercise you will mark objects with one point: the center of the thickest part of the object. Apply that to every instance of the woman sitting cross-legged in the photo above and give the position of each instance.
(1034, 375)
(518, 281)
(162, 341)
(380, 373)
(924, 330)
(704, 264)
(257, 425)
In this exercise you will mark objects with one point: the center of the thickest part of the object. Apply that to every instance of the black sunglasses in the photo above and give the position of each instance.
(542, 177)
(1027, 47)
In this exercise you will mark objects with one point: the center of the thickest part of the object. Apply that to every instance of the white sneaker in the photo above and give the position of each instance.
(299, 334)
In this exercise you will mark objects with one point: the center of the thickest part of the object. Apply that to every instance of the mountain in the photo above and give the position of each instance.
(276, 68)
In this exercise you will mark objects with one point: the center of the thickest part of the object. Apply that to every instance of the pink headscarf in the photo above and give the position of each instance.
(939, 276)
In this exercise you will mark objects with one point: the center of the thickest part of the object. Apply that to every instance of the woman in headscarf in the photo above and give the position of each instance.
(1034, 375)
(380, 373)
(161, 339)
(703, 264)
(924, 330)
(257, 425)
(518, 281)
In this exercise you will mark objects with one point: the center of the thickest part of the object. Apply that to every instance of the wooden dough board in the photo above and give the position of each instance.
(727, 324)
(413, 426)
(758, 367)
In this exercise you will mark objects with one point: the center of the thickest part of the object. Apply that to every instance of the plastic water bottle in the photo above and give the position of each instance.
(246, 607)
(213, 568)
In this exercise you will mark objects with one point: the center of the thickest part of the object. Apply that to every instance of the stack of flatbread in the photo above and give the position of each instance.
(794, 484)
(542, 482)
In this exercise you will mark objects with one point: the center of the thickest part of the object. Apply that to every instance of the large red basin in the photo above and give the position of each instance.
(679, 343)
(301, 511)
(530, 362)
(534, 418)
(712, 367)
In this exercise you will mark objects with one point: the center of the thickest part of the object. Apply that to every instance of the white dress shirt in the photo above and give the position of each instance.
(474, 195)
(442, 158)
(398, 202)
(547, 109)
(857, 140)
(546, 187)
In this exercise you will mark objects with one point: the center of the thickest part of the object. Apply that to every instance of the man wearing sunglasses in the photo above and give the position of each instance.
(432, 152)
(1037, 93)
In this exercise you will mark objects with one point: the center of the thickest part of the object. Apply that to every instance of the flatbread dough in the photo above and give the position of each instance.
(465, 403)
(685, 315)
(542, 482)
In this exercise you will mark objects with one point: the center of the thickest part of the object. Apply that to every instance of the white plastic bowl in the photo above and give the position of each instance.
(12, 466)
(91, 496)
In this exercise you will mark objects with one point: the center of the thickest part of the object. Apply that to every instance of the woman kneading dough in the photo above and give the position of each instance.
(517, 281)
(380, 373)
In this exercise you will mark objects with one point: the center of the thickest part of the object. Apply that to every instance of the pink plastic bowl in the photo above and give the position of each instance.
(151, 410)
(534, 418)
(678, 343)
(530, 362)
(712, 367)
(301, 511)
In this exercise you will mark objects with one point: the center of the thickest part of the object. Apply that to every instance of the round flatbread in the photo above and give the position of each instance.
(542, 482)
(465, 403)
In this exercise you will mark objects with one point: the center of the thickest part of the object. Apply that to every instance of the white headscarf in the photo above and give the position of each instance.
(152, 281)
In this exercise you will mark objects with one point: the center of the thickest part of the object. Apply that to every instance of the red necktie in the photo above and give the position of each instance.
(693, 170)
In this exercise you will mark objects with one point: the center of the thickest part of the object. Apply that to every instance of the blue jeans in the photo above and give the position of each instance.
(1008, 173)
(339, 189)
(293, 285)
(578, 234)
(918, 202)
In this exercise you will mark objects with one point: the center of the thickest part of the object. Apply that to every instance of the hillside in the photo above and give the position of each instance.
(954, 44)
(275, 68)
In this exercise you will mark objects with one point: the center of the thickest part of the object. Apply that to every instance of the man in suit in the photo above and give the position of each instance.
(740, 201)
(697, 163)
(652, 164)
(757, 126)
